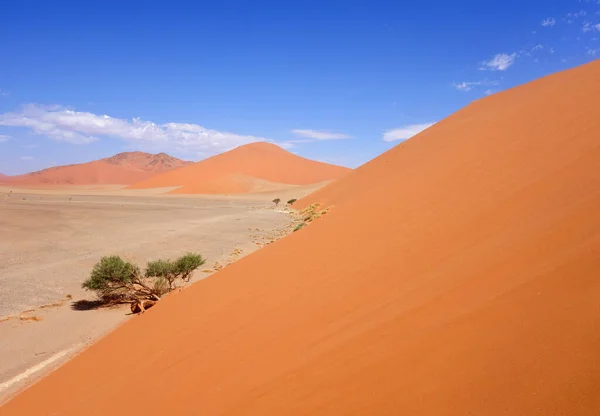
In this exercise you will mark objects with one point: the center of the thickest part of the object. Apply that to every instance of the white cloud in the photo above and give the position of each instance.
(405, 132)
(499, 62)
(592, 52)
(537, 47)
(63, 124)
(286, 145)
(4, 138)
(580, 13)
(469, 85)
(549, 22)
(27, 158)
(320, 135)
(466, 85)
(588, 27)
(488, 92)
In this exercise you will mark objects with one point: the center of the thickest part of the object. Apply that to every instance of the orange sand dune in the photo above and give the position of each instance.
(457, 275)
(232, 172)
(122, 169)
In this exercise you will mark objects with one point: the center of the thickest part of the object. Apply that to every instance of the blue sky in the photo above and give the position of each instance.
(337, 81)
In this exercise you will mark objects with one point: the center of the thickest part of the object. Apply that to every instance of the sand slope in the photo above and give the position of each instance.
(123, 168)
(457, 275)
(236, 171)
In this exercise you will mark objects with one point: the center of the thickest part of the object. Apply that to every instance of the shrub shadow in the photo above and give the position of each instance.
(88, 305)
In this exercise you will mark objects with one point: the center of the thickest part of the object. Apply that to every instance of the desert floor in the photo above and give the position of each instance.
(52, 238)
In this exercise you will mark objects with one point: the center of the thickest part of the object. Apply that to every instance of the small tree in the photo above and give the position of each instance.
(276, 201)
(185, 265)
(163, 271)
(117, 281)
(181, 268)
(291, 201)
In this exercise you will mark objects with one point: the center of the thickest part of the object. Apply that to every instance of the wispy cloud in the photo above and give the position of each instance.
(587, 27)
(4, 138)
(320, 134)
(27, 158)
(500, 62)
(575, 15)
(469, 85)
(489, 92)
(549, 22)
(537, 47)
(405, 132)
(64, 124)
(466, 85)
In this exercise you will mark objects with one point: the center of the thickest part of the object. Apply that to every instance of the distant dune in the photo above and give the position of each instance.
(457, 274)
(121, 169)
(243, 170)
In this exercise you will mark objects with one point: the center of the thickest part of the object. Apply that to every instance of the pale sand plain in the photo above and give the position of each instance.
(51, 238)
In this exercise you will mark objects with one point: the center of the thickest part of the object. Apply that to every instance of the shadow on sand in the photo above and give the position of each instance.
(87, 305)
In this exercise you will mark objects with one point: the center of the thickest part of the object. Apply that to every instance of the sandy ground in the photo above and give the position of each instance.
(52, 238)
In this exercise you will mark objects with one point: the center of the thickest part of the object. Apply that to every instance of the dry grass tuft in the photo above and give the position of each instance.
(52, 305)
(30, 318)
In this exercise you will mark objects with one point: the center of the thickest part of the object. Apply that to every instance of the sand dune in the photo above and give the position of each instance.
(122, 169)
(243, 169)
(457, 274)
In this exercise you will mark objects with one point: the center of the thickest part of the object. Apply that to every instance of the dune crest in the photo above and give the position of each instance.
(457, 274)
(121, 169)
(233, 172)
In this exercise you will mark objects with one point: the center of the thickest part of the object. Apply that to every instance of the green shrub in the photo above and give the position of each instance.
(162, 269)
(115, 280)
(299, 226)
(112, 278)
(185, 265)
(161, 286)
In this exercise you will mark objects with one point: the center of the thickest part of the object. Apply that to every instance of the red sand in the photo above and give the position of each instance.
(232, 172)
(457, 275)
(121, 169)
